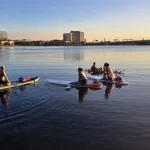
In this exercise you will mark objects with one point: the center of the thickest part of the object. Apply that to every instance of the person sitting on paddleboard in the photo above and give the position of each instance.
(83, 80)
(94, 66)
(94, 69)
(109, 71)
(4, 81)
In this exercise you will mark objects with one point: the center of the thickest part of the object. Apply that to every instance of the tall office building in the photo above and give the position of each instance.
(77, 36)
(3, 35)
(74, 36)
(67, 37)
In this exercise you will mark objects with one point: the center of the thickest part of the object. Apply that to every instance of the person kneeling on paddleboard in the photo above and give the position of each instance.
(109, 71)
(83, 80)
(4, 81)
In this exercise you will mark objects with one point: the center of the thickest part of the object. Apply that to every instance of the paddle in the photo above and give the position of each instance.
(68, 87)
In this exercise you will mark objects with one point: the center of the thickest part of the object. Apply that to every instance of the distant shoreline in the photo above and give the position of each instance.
(62, 43)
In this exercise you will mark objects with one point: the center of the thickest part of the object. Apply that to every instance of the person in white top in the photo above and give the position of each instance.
(83, 80)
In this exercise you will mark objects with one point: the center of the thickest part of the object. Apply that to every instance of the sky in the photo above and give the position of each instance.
(98, 19)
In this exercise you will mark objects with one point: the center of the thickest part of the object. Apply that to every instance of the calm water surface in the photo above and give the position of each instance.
(48, 117)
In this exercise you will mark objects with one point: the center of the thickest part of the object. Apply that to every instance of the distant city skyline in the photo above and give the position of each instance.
(98, 19)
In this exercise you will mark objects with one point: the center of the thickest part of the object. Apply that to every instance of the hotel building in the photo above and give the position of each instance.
(3, 35)
(74, 37)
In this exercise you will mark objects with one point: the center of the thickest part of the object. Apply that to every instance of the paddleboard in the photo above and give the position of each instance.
(73, 84)
(116, 71)
(58, 82)
(94, 77)
(99, 78)
(18, 83)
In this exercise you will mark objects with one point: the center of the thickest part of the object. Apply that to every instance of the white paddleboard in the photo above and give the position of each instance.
(58, 82)
(95, 77)
(68, 83)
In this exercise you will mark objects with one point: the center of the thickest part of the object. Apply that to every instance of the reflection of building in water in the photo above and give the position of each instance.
(7, 54)
(4, 57)
(73, 55)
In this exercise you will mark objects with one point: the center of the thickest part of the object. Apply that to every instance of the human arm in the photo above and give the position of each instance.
(79, 75)
(5, 76)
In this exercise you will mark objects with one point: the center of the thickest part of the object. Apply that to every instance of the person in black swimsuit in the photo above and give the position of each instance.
(94, 66)
(4, 81)
(94, 69)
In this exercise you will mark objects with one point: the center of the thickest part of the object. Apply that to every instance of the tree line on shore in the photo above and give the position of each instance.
(55, 43)
(62, 43)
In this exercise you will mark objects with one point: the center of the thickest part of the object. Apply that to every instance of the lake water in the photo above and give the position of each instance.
(45, 117)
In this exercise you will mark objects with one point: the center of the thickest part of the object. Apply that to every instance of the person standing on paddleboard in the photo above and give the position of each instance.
(83, 80)
(4, 81)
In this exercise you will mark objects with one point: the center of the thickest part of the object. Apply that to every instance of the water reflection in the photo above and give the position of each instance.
(73, 55)
(6, 54)
(4, 96)
(108, 90)
(82, 93)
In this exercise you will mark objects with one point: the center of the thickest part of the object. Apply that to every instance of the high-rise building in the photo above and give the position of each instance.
(77, 36)
(3, 35)
(74, 36)
(67, 37)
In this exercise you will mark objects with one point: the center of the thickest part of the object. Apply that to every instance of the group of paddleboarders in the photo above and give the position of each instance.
(108, 74)
(100, 70)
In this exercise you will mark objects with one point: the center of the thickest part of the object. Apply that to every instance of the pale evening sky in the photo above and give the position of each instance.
(98, 19)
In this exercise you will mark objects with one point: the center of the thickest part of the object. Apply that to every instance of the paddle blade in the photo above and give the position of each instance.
(68, 87)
